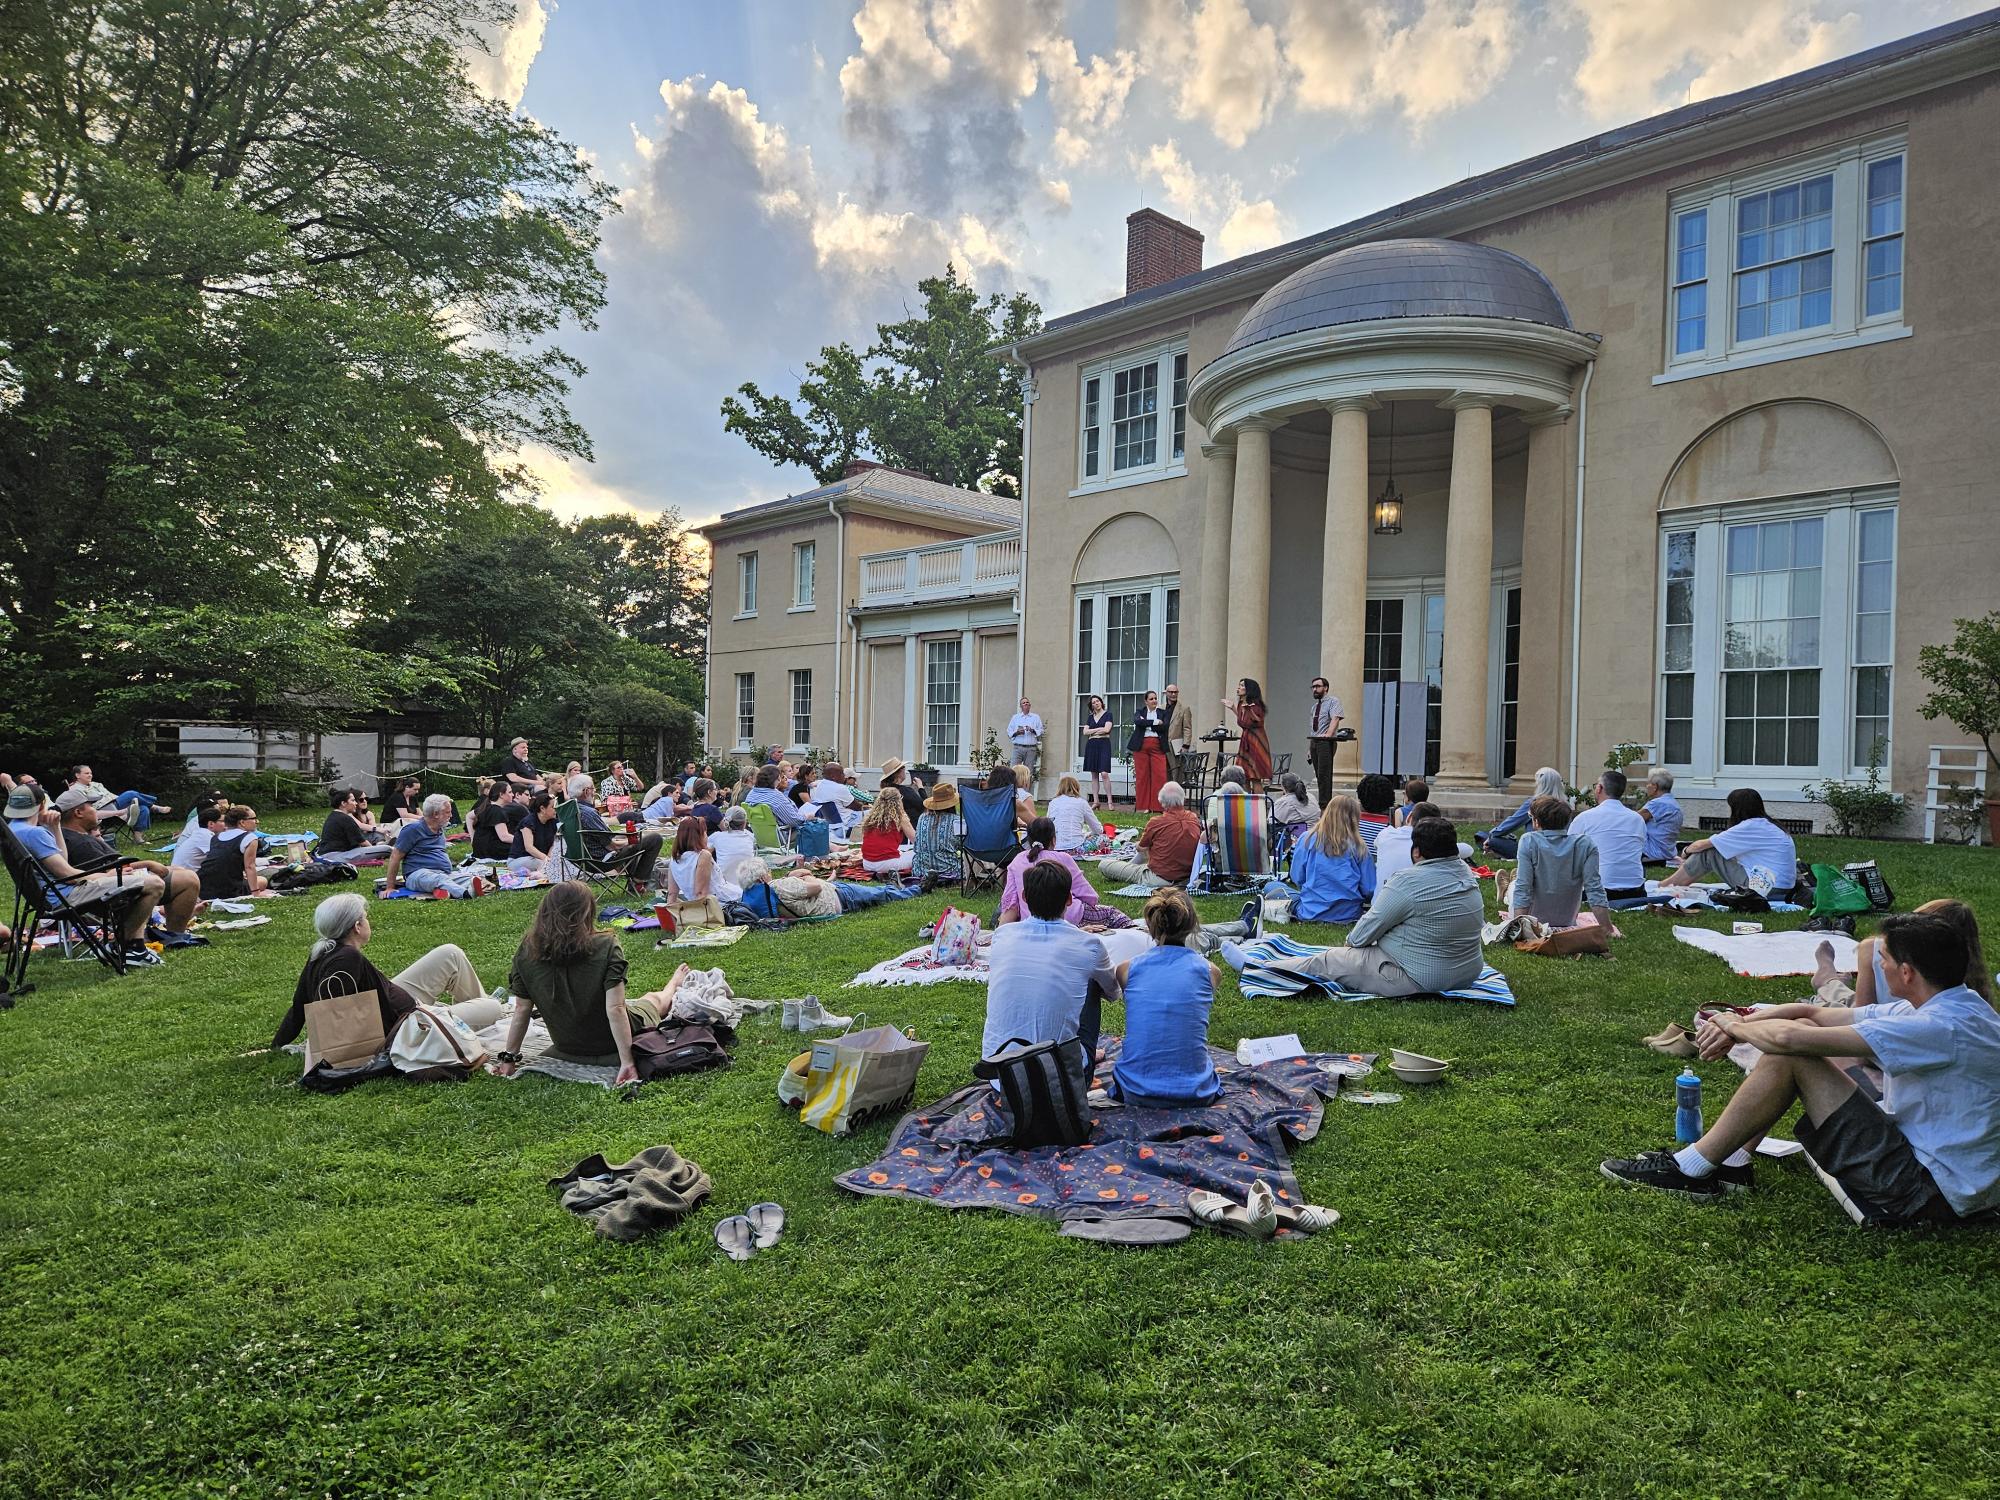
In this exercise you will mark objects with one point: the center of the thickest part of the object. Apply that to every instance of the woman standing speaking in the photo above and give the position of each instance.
(1254, 754)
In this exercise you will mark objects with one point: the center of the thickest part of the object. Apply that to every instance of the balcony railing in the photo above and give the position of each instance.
(944, 570)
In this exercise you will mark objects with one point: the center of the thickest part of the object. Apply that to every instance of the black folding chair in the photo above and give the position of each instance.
(96, 921)
(1191, 771)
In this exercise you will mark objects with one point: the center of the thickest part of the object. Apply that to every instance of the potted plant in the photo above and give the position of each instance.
(924, 774)
(1964, 674)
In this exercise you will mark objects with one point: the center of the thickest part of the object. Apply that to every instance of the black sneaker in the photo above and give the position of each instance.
(1737, 1179)
(1658, 1170)
(1252, 914)
(139, 953)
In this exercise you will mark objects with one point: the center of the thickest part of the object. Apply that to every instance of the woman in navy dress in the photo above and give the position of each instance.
(1097, 726)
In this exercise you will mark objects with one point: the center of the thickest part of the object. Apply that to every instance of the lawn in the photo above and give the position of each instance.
(220, 1284)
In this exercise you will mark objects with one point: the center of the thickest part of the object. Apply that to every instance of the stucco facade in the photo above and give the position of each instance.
(1867, 444)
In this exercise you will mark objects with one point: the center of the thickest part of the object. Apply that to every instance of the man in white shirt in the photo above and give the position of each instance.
(1024, 732)
(1928, 1152)
(1619, 836)
(1046, 979)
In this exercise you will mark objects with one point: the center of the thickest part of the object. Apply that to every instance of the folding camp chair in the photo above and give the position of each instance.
(96, 924)
(763, 825)
(989, 836)
(605, 874)
(1236, 833)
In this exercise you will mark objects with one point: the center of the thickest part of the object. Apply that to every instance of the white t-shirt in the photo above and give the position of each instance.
(1392, 853)
(1759, 844)
(839, 793)
(1075, 822)
(191, 848)
(720, 886)
(1619, 836)
(731, 846)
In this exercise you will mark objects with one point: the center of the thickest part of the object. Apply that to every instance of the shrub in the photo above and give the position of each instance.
(1964, 674)
(1861, 809)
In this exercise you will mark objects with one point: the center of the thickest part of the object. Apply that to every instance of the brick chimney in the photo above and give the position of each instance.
(1158, 249)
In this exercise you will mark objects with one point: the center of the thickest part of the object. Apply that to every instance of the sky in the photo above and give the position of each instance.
(789, 169)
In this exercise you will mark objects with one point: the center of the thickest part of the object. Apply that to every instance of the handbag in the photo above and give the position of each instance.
(1047, 1088)
(1868, 875)
(343, 1027)
(1836, 893)
(1569, 942)
(954, 938)
(680, 1047)
(432, 1044)
(328, 1078)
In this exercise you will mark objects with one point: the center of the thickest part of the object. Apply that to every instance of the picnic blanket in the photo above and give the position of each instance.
(916, 966)
(1264, 982)
(1766, 955)
(706, 937)
(1140, 1162)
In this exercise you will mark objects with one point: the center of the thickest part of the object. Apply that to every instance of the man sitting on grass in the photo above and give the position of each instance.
(1558, 869)
(1926, 1152)
(1166, 844)
(419, 861)
(192, 847)
(1047, 979)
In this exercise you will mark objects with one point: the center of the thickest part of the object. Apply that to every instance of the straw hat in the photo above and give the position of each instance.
(891, 768)
(943, 797)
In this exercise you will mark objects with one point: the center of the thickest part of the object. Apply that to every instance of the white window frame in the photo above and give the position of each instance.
(925, 704)
(746, 585)
(1166, 463)
(805, 579)
(801, 722)
(1850, 326)
(1841, 511)
(746, 710)
(1159, 585)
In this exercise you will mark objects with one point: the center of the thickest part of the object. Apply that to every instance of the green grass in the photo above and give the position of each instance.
(216, 1283)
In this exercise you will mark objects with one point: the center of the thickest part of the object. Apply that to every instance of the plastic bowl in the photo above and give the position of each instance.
(1420, 1075)
(1398, 1058)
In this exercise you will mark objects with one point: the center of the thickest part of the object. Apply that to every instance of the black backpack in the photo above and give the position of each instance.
(312, 873)
(1047, 1087)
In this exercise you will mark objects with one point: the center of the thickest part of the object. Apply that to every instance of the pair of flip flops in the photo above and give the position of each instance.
(758, 1227)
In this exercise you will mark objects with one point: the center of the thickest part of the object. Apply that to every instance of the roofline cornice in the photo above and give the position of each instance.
(1950, 61)
(857, 501)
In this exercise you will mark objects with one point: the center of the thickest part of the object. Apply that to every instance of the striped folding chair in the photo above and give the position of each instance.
(1236, 839)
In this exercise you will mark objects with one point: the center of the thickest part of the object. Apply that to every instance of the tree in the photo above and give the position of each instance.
(649, 578)
(1964, 674)
(281, 283)
(932, 393)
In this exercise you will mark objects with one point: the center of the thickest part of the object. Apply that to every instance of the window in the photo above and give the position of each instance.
(1510, 681)
(1125, 436)
(746, 583)
(746, 708)
(804, 557)
(943, 666)
(802, 707)
(1691, 282)
(1433, 680)
(1677, 651)
(1874, 631)
(1382, 642)
(1777, 638)
(1810, 257)
(1127, 645)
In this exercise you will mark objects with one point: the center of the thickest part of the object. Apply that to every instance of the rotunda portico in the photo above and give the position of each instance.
(1469, 330)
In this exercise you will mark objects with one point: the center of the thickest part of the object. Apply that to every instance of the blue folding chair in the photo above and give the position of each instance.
(990, 838)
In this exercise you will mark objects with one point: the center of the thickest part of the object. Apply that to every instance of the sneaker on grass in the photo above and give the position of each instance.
(1659, 1171)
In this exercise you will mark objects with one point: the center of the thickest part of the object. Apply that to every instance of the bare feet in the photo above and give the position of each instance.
(1825, 972)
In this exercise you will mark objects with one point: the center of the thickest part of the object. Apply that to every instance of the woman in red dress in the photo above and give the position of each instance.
(1148, 747)
(1254, 754)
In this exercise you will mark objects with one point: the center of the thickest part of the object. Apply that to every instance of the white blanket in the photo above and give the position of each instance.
(1766, 955)
(914, 967)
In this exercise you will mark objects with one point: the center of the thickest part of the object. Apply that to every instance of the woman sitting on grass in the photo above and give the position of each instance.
(1169, 991)
(229, 869)
(938, 830)
(1084, 909)
(1331, 867)
(337, 966)
(573, 977)
(694, 889)
(886, 835)
(1075, 820)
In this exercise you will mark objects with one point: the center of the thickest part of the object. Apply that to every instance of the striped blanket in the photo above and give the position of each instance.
(1263, 982)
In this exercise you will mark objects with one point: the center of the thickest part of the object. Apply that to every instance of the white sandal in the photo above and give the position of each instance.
(1219, 1214)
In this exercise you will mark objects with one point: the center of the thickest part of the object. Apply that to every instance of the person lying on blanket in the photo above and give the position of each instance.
(1047, 979)
(1926, 1152)
(573, 977)
(1419, 937)
(803, 896)
(1558, 869)
(1169, 991)
(1041, 849)
(337, 966)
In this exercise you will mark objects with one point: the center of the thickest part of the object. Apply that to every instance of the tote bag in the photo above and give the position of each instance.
(433, 1043)
(855, 1079)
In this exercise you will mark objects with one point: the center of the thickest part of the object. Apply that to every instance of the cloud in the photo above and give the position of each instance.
(1246, 225)
(1706, 47)
(1056, 191)
(1358, 56)
(1224, 66)
(568, 489)
(501, 70)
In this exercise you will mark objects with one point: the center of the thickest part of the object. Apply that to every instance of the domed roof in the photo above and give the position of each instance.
(1403, 279)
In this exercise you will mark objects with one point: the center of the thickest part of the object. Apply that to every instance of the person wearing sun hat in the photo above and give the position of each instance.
(896, 775)
(938, 829)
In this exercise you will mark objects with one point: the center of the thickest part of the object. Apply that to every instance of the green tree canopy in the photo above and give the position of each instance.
(933, 393)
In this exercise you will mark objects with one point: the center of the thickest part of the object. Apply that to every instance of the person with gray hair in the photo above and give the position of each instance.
(1663, 817)
(1166, 845)
(733, 842)
(1503, 838)
(337, 966)
(1293, 804)
(418, 859)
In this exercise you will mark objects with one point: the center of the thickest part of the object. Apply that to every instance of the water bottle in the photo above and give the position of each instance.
(1687, 1108)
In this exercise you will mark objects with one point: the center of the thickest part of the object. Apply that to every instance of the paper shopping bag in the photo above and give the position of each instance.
(855, 1079)
(343, 1030)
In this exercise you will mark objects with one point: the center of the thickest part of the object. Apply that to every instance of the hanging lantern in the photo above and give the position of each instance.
(1389, 504)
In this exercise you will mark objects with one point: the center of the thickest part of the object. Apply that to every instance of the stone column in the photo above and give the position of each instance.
(1545, 573)
(1468, 593)
(1201, 688)
(1343, 576)
(1249, 558)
